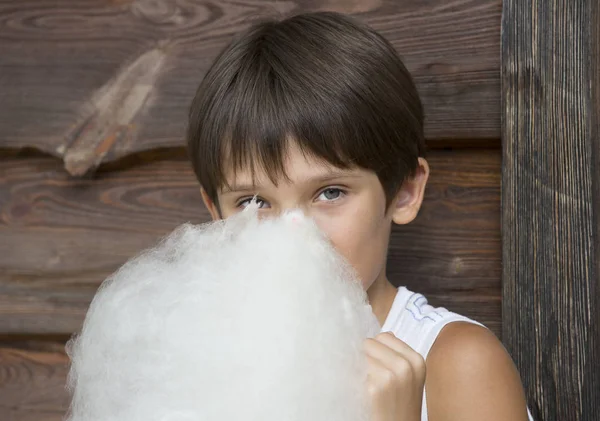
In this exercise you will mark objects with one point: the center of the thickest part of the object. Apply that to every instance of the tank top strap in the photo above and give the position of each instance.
(417, 323)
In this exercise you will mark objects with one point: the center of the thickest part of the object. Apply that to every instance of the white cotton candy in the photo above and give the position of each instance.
(239, 320)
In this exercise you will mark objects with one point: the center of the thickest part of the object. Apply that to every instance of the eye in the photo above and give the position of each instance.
(245, 202)
(331, 193)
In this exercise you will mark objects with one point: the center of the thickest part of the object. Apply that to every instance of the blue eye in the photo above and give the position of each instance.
(331, 194)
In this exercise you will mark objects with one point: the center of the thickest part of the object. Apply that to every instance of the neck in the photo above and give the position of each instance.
(381, 297)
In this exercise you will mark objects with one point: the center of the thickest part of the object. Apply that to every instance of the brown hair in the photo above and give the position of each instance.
(330, 83)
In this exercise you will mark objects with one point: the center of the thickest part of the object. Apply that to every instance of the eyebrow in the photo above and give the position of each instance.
(311, 180)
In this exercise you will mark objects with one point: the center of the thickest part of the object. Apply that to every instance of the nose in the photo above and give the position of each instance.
(294, 215)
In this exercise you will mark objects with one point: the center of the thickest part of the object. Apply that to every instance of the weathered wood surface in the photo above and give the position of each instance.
(61, 237)
(551, 203)
(91, 81)
(32, 382)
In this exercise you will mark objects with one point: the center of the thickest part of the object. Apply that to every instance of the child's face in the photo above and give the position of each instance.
(348, 205)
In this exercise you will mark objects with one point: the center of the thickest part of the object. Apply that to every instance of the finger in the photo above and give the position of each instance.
(376, 368)
(380, 351)
(394, 362)
(404, 364)
(379, 377)
(402, 348)
(389, 339)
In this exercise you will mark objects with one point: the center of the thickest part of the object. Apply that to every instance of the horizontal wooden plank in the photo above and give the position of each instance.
(62, 236)
(32, 384)
(95, 80)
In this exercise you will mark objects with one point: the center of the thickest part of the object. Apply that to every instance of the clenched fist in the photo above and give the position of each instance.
(395, 379)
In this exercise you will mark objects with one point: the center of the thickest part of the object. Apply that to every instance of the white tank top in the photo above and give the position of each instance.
(418, 324)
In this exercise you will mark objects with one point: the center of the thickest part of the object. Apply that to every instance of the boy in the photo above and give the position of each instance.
(318, 112)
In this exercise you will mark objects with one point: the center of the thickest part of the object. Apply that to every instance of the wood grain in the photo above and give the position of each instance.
(91, 81)
(32, 385)
(551, 203)
(62, 236)
(451, 252)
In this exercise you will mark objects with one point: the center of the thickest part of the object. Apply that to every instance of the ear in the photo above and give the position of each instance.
(213, 209)
(407, 202)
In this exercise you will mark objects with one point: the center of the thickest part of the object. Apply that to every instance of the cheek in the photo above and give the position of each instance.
(362, 241)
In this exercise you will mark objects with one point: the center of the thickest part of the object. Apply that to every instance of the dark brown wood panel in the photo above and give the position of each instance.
(91, 81)
(32, 384)
(61, 236)
(451, 252)
(551, 203)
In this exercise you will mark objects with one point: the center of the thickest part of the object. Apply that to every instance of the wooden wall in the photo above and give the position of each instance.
(93, 98)
(551, 203)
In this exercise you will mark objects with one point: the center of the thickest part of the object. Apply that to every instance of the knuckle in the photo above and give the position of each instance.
(420, 364)
(388, 377)
(403, 367)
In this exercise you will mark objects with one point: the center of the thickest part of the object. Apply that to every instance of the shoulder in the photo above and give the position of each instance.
(470, 376)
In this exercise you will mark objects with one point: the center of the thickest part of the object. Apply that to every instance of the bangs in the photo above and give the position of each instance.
(262, 121)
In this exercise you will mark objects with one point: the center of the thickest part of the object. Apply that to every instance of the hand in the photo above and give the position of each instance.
(395, 379)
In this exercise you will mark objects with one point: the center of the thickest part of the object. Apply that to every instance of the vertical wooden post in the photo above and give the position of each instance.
(551, 202)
